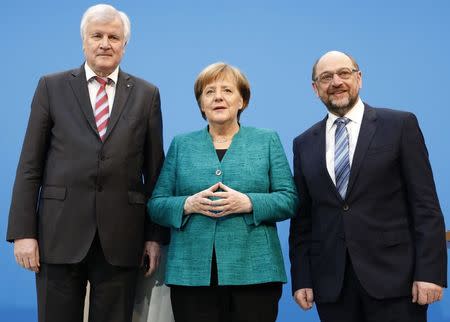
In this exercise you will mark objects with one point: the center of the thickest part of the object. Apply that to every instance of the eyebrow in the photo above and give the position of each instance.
(336, 69)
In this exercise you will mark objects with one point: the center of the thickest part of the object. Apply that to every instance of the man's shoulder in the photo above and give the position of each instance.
(310, 132)
(62, 74)
(389, 113)
(138, 81)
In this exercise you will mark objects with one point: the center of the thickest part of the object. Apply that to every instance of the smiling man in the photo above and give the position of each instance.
(368, 242)
(90, 158)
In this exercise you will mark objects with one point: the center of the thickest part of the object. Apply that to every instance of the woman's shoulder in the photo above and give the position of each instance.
(258, 133)
(189, 136)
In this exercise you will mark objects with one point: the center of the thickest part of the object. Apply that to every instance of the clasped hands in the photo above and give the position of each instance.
(229, 201)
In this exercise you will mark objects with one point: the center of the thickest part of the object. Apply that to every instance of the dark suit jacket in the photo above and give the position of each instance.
(69, 183)
(390, 222)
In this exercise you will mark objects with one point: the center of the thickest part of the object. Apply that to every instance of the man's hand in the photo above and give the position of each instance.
(426, 293)
(152, 249)
(26, 251)
(304, 298)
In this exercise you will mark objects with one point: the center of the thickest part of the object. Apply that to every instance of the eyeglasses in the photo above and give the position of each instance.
(343, 73)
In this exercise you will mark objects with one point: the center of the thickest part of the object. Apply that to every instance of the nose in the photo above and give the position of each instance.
(104, 43)
(218, 96)
(336, 81)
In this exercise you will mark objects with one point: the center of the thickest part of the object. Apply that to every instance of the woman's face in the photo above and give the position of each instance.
(221, 101)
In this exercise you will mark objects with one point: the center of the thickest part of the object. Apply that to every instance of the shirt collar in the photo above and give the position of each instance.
(90, 73)
(355, 115)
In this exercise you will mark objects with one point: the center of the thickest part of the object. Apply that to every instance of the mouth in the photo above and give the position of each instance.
(219, 108)
(337, 92)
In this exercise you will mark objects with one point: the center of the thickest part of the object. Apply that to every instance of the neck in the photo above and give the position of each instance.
(222, 134)
(101, 73)
(223, 130)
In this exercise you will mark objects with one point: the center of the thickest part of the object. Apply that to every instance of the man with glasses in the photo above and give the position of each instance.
(368, 242)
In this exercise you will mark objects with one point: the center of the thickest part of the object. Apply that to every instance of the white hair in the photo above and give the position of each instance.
(105, 13)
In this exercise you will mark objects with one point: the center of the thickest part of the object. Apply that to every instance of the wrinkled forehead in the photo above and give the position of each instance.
(111, 21)
(332, 62)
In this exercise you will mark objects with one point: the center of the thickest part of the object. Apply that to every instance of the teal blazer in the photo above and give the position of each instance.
(247, 246)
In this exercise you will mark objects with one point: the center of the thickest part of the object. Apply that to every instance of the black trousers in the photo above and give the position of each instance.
(215, 303)
(61, 290)
(356, 305)
(246, 303)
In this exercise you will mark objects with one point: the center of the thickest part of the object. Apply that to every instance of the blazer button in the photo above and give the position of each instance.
(345, 207)
(218, 172)
(99, 188)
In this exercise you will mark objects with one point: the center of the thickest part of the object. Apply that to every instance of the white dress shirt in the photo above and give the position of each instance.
(93, 86)
(355, 115)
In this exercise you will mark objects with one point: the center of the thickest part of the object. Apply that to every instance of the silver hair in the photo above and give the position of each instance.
(105, 13)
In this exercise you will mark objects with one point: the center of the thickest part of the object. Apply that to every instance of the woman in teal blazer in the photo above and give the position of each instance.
(221, 191)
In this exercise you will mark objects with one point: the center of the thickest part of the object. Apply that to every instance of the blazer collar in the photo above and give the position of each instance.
(366, 133)
(124, 87)
(236, 141)
(80, 89)
(319, 149)
(79, 86)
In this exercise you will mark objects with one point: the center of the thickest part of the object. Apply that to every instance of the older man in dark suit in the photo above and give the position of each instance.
(368, 243)
(90, 158)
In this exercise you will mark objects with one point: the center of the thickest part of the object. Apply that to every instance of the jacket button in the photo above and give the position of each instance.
(99, 188)
(345, 207)
(218, 172)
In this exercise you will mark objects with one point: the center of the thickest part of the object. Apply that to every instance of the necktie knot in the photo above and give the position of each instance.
(101, 81)
(342, 121)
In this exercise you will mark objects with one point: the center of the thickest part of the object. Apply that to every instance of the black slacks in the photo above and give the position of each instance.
(246, 303)
(356, 305)
(215, 303)
(61, 289)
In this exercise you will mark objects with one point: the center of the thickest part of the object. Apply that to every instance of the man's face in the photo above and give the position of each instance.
(340, 92)
(104, 45)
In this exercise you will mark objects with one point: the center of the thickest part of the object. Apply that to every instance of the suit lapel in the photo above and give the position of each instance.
(81, 92)
(366, 132)
(320, 154)
(123, 89)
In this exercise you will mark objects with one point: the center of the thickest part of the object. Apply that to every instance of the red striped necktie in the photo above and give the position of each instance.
(101, 112)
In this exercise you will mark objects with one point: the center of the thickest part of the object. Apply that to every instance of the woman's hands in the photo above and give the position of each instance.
(200, 202)
(229, 201)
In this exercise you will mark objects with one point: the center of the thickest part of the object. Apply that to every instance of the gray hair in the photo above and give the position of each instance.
(105, 13)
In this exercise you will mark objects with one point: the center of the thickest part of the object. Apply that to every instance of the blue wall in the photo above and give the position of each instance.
(401, 46)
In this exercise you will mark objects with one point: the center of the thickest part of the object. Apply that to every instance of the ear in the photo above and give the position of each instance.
(359, 79)
(241, 104)
(315, 89)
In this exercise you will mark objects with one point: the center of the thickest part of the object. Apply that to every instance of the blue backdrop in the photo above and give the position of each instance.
(402, 48)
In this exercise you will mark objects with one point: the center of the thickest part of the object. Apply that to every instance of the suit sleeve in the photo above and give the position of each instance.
(281, 201)
(427, 218)
(22, 216)
(300, 230)
(165, 207)
(154, 158)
